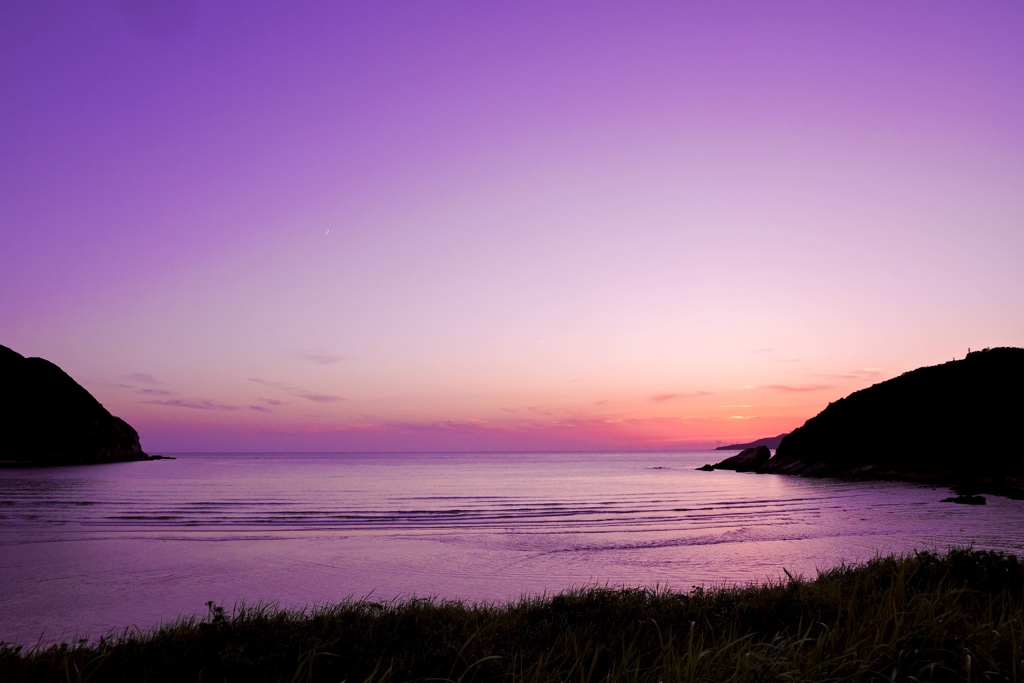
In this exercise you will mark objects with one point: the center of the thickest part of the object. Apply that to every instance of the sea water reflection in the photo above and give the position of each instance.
(88, 549)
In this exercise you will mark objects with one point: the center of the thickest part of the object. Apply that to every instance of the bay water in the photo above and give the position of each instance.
(87, 550)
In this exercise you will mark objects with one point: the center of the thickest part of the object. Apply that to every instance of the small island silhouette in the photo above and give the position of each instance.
(47, 418)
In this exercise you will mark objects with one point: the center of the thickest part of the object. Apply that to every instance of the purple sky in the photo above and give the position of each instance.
(440, 225)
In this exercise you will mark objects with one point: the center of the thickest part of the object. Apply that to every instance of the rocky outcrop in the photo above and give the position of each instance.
(47, 418)
(748, 460)
(954, 424)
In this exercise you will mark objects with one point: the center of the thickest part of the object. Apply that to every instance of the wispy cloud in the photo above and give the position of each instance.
(194, 404)
(154, 392)
(313, 396)
(318, 358)
(661, 398)
(146, 391)
(298, 392)
(863, 375)
(798, 388)
(143, 378)
(267, 383)
(262, 409)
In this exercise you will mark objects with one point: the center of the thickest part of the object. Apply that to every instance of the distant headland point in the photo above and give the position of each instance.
(771, 442)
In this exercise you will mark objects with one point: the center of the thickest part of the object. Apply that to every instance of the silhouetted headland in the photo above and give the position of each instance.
(956, 424)
(771, 442)
(47, 418)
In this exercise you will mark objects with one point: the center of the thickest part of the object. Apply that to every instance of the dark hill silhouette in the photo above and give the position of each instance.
(47, 418)
(771, 442)
(958, 423)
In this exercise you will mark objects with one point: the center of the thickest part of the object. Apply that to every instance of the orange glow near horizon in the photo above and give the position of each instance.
(666, 421)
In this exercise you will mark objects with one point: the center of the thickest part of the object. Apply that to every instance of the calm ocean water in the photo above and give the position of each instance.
(89, 549)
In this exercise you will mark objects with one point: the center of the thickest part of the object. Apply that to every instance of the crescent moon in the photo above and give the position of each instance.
(328, 231)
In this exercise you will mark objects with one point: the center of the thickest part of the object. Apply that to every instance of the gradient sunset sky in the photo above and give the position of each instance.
(517, 225)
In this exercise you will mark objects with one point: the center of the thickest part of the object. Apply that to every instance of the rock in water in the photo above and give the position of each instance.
(965, 500)
(47, 418)
(748, 460)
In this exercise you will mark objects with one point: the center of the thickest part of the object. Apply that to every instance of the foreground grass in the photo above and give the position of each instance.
(956, 616)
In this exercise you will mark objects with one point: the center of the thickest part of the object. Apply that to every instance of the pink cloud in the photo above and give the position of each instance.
(195, 404)
(798, 388)
(319, 358)
(143, 378)
(661, 398)
(299, 392)
(864, 374)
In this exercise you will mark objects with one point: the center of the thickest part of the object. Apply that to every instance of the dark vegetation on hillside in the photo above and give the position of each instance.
(958, 423)
(925, 617)
(47, 418)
